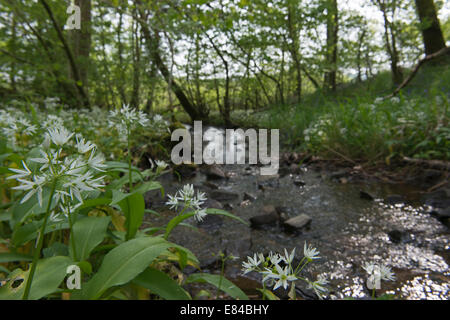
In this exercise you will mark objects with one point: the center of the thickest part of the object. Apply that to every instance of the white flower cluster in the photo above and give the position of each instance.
(13, 123)
(317, 131)
(186, 197)
(69, 167)
(126, 119)
(378, 273)
(277, 275)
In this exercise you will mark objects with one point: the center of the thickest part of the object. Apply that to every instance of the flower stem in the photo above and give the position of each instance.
(37, 251)
(130, 180)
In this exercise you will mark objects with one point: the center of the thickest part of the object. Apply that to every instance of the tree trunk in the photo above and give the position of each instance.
(332, 40)
(73, 65)
(433, 38)
(153, 47)
(82, 41)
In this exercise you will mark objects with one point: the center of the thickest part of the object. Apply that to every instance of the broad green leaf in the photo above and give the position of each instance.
(87, 233)
(47, 278)
(133, 208)
(30, 231)
(225, 285)
(122, 264)
(161, 284)
(176, 221)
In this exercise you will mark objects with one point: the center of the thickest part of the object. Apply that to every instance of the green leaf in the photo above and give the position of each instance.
(14, 257)
(268, 294)
(30, 231)
(176, 221)
(122, 264)
(48, 276)
(161, 284)
(148, 186)
(225, 285)
(226, 214)
(88, 233)
(133, 207)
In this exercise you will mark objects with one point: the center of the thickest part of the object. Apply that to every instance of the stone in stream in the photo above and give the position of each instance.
(222, 195)
(299, 182)
(443, 215)
(211, 185)
(268, 217)
(394, 199)
(366, 196)
(297, 223)
(211, 203)
(215, 173)
(249, 196)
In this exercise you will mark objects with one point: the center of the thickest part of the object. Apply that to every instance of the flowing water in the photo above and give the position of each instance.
(346, 229)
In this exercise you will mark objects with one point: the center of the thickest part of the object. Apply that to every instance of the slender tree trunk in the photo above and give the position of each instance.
(73, 65)
(136, 45)
(332, 41)
(82, 41)
(433, 38)
(153, 47)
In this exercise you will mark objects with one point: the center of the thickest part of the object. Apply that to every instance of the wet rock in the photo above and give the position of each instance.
(211, 203)
(438, 199)
(228, 207)
(394, 199)
(186, 171)
(249, 196)
(395, 236)
(211, 185)
(215, 173)
(222, 195)
(283, 213)
(248, 171)
(398, 236)
(269, 217)
(338, 174)
(366, 196)
(297, 223)
(443, 215)
(268, 182)
(211, 222)
(299, 182)
(262, 220)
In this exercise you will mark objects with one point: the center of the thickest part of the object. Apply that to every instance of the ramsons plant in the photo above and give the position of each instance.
(64, 205)
(279, 270)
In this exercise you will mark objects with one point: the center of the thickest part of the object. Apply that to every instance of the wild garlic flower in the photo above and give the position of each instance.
(253, 263)
(70, 175)
(127, 119)
(280, 276)
(186, 197)
(310, 253)
(377, 273)
(318, 286)
(277, 270)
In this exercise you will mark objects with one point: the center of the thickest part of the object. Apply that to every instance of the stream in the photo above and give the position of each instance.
(347, 228)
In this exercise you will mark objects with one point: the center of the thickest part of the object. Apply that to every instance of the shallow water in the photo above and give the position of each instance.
(347, 230)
